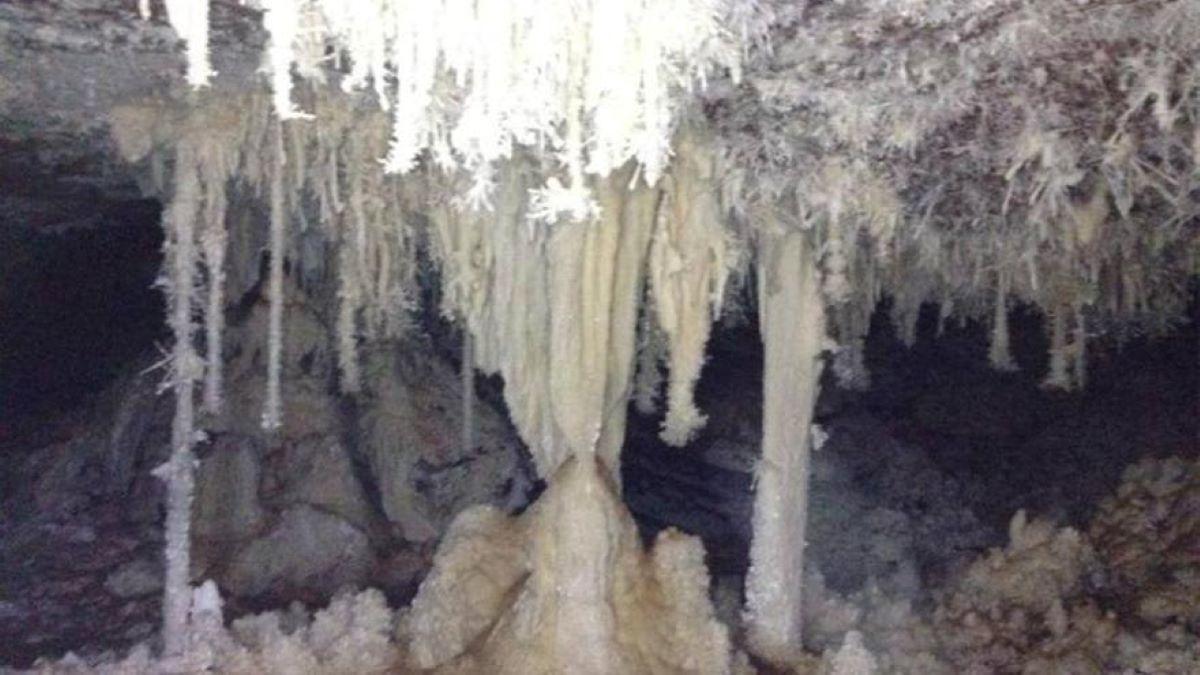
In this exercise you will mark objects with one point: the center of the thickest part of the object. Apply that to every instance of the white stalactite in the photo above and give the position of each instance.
(272, 416)
(688, 269)
(1068, 349)
(1058, 377)
(1000, 351)
(214, 242)
(179, 470)
(553, 310)
(632, 213)
(281, 19)
(792, 320)
(542, 74)
(189, 18)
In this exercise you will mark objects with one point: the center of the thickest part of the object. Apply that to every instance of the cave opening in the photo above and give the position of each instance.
(79, 302)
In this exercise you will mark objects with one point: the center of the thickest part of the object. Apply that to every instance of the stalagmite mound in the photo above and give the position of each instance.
(566, 588)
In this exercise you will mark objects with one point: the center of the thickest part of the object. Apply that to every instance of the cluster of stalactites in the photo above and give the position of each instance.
(304, 172)
(592, 83)
(576, 319)
(565, 314)
(982, 177)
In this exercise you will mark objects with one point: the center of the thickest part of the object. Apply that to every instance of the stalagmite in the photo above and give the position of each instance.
(273, 409)
(688, 271)
(999, 352)
(566, 588)
(179, 471)
(792, 320)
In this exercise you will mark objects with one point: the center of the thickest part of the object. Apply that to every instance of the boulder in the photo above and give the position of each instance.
(226, 506)
(140, 577)
(307, 550)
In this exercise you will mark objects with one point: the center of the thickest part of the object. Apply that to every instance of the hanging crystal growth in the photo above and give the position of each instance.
(591, 83)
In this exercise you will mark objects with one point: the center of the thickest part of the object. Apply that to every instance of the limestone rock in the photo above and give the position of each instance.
(317, 471)
(409, 429)
(226, 506)
(137, 578)
(307, 550)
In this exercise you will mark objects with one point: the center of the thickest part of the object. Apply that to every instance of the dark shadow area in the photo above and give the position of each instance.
(75, 307)
(928, 465)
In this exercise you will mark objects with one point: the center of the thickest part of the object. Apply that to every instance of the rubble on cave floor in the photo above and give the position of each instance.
(1052, 600)
(83, 579)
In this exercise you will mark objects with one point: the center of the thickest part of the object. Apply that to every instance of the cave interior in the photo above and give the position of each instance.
(702, 336)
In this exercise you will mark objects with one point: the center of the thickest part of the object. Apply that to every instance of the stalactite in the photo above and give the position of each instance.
(945, 311)
(1080, 346)
(632, 213)
(648, 380)
(999, 351)
(852, 321)
(349, 301)
(281, 19)
(273, 410)
(906, 310)
(214, 242)
(179, 470)
(468, 393)
(792, 320)
(189, 18)
(1058, 377)
(553, 310)
(688, 270)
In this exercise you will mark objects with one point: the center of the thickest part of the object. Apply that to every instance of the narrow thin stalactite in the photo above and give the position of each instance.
(468, 392)
(189, 18)
(349, 299)
(689, 260)
(1080, 347)
(179, 470)
(792, 321)
(1000, 351)
(273, 410)
(214, 243)
(648, 380)
(634, 212)
(1058, 376)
